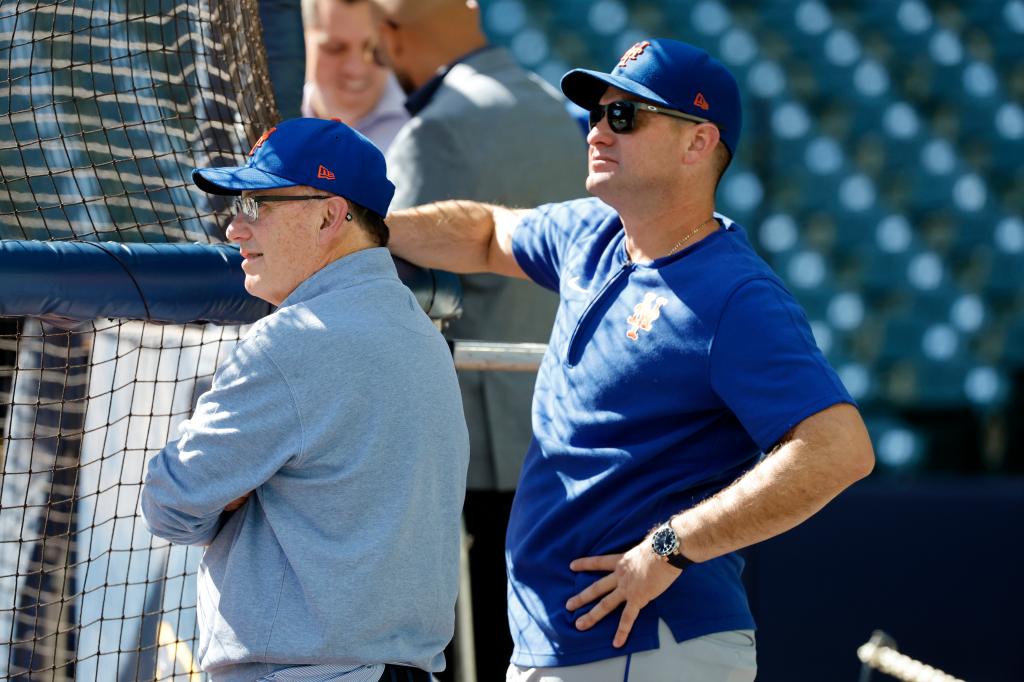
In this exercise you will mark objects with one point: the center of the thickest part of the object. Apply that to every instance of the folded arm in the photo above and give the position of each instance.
(170, 507)
(230, 447)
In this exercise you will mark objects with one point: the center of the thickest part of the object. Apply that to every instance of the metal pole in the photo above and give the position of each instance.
(498, 357)
(465, 644)
(492, 357)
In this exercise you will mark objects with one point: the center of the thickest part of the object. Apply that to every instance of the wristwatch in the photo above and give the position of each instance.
(665, 544)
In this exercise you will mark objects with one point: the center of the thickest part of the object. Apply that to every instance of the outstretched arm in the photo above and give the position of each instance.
(457, 236)
(813, 463)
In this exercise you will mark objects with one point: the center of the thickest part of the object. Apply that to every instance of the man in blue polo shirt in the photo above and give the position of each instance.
(682, 410)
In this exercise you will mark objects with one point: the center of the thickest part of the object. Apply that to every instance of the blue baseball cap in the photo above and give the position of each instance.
(670, 73)
(325, 154)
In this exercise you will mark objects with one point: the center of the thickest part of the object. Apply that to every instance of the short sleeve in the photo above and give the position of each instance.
(765, 365)
(545, 237)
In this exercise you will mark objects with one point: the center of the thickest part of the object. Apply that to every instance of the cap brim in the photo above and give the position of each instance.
(585, 87)
(236, 179)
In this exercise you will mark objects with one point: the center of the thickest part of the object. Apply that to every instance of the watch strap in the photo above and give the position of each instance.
(679, 561)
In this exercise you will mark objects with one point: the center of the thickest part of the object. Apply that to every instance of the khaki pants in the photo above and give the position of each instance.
(719, 657)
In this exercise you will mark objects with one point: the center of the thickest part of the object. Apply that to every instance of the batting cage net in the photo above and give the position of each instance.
(105, 107)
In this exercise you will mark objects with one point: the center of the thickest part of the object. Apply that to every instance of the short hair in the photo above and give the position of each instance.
(372, 223)
(310, 15)
(721, 158)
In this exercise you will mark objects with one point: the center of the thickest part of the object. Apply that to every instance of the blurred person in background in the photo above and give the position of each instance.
(482, 128)
(682, 410)
(343, 80)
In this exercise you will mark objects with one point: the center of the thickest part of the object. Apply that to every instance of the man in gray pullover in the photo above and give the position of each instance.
(325, 468)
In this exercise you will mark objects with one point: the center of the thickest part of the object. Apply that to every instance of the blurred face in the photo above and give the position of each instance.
(392, 49)
(621, 165)
(339, 60)
(280, 249)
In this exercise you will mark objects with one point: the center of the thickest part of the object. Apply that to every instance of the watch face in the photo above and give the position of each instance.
(664, 541)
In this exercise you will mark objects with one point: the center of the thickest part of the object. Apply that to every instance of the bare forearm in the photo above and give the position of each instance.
(823, 456)
(820, 457)
(458, 236)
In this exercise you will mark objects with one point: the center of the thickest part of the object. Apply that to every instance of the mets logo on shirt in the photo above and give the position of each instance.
(644, 314)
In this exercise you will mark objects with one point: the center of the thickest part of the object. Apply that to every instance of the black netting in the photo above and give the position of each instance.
(108, 106)
(85, 592)
(105, 108)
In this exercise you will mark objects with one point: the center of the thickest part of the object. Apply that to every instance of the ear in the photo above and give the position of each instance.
(701, 143)
(334, 220)
(388, 44)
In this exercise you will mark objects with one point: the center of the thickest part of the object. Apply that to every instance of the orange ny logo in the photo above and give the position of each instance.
(634, 52)
(644, 314)
(259, 142)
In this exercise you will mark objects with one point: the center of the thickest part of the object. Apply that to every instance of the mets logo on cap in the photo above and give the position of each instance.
(263, 138)
(632, 53)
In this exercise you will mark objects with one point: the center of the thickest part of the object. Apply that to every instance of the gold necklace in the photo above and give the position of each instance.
(688, 237)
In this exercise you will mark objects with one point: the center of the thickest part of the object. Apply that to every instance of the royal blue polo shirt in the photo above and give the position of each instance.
(662, 384)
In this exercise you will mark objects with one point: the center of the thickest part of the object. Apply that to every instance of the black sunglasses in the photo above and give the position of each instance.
(622, 114)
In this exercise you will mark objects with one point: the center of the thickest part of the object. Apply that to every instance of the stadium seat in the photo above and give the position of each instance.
(859, 379)
(804, 269)
(899, 447)
(920, 383)
(880, 273)
(1005, 275)
(1013, 344)
(741, 194)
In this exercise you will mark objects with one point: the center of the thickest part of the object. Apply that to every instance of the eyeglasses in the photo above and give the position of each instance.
(250, 206)
(622, 114)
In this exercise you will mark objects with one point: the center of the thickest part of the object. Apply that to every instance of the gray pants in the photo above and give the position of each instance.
(719, 657)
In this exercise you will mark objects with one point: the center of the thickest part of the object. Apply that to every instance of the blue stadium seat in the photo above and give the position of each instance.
(741, 194)
(859, 379)
(927, 384)
(909, 270)
(1013, 344)
(986, 387)
(899, 447)
(1004, 275)
(910, 337)
(804, 269)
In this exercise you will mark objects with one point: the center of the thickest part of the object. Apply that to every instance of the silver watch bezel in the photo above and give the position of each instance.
(664, 531)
